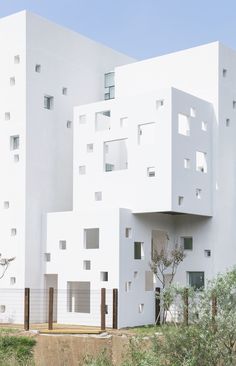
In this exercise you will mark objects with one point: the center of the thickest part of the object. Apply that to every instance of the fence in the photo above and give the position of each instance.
(182, 308)
(72, 306)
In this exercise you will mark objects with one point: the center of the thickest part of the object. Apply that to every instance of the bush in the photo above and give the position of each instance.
(16, 350)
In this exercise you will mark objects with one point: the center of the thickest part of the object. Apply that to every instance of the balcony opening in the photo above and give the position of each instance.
(115, 155)
(103, 121)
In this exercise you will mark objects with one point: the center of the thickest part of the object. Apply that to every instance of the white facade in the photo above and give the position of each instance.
(157, 161)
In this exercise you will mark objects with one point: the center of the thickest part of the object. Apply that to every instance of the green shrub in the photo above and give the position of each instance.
(16, 350)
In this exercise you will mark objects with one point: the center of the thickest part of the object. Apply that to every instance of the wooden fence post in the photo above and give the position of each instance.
(186, 304)
(50, 308)
(103, 309)
(214, 310)
(27, 309)
(157, 306)
(115, 309)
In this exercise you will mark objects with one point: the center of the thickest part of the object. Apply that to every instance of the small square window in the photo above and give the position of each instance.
(7, 116)
(89, 148)
(98, 196)
(204, 126)
(62, 244)
(64, 91)
(187, 242)
(17, 59)
(69, 124)
(104, 276)
(141, 308)
(13, 232)
(37, 68)
(151, 171)
(192, 112)
(138, 250)
(159, 103)
(82, 119)
(196, 280)
(180, 200)
(6, 205)
(227, 122)
(187, 163)
(82, 169)
(128, 232)
(48, 102)
(12, 81)
(128, 286)
(14, 142)
(12, 280)
(47, 257)
(16, 158)
(135, 275)
(2, 308)
(124, 122)
(86, 265)
(207, 252)
(234, 104)
(224, 73)
(198, 193)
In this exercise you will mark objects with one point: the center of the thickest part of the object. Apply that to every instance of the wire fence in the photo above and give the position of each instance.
(71, 306)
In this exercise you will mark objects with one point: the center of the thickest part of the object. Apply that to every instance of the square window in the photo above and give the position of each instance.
(37, 68)
(224, 73)
(89, 148)
(128, 232)
(138, 250)
(12, 81)
(6, 205)
(82, 119)
(7, 116)
(115, 155)
(180, 200)
(187, 242)
(128, 286)
(69, 124)
(17, 59)
(207, 252)
(192, 112)
(123, 122)
(141, 308)
(104, 276)
(98, 196)
(204, 126)
(151, 171)
(198, 193)
(183, 125)
(196, 280)
(187, 163)
(227, 122)
(47, 257)
(62, 244)
(13, 232)
(201, 162)
(86, 265)
(82, 169)
(91, 238)
(48, 102)
(14, 142)
(12, 280)
(159, 103)
(16, 158)
(64, 91)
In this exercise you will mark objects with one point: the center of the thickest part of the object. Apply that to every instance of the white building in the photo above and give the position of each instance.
(156, 161)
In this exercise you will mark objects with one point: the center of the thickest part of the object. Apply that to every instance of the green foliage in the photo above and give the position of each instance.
(101, 360)
(16, 350)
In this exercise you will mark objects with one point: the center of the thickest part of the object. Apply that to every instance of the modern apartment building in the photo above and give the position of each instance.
(152, 163)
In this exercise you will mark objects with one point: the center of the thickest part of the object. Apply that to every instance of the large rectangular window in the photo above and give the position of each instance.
(91, 238)
(138, 250)
(109, 83)
(102, 121)
(115, 155)
(78, 297)
(196, 280)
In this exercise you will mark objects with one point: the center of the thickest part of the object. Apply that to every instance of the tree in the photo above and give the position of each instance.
(4, 263)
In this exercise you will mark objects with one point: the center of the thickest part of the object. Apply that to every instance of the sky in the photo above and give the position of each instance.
(139, 28)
